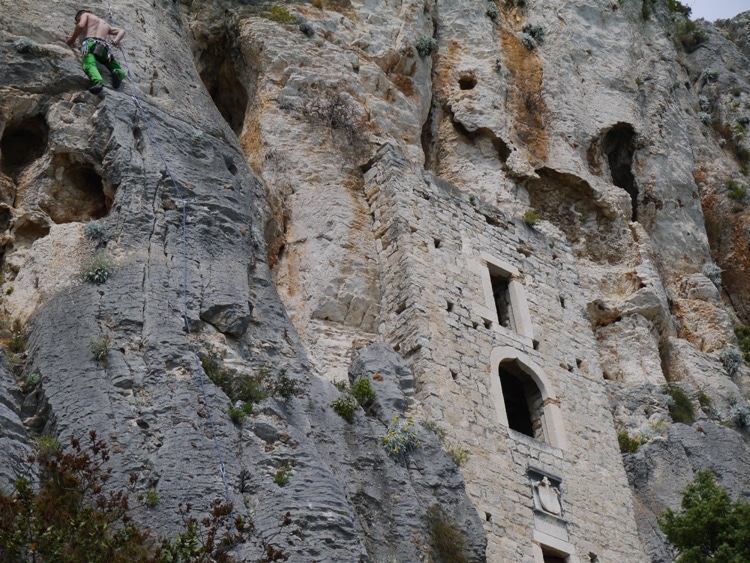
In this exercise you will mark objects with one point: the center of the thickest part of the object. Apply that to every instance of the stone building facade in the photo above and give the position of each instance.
(488, 313)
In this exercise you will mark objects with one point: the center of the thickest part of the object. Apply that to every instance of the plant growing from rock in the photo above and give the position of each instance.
(627, 443)
(238, 414)
(743, 341)
(363, 392)
(530, 217)
(492, 12)
(739, 415)
(680, 406)
(426, 46)
(100, 349)
(17, 342)
(150, 499)
(98, 268)
(401, 438)
(731, 358)
(345, 406)
(709, 526)
(280, 15)
(690, 35)
(94, 230)
(736, 191)
(447, 543)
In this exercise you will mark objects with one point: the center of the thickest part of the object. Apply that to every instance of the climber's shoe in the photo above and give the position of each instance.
(96, 88)
(116, 80)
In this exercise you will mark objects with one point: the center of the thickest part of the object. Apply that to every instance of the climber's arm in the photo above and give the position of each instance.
(80, 28)
(118, 33)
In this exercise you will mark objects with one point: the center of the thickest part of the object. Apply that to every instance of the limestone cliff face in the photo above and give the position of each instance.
(300, 187)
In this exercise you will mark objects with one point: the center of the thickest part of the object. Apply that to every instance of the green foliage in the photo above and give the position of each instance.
(100, 349)
(628, 445)
(150, 499)
(243, 387)
(459, 455)
(426, 46)
(98, 268)
(285, 387)
(17, 341)
(95, 230)
(530, 217)
(705, 401)
(32, 380)
(362, 391)
(675, 6)
(736, 191)
(743, 340)
(638, 81)
(9, 291)
(447, 543)
(239, 414)
(401, 438)
(74, 515)
(280, 15)
(345, 406)
(690, 35)
(709, 527)
(282, 476)
(680, 406)
(736, 91)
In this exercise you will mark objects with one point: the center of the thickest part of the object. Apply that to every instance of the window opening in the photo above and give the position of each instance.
(501, 297)
(523, 400)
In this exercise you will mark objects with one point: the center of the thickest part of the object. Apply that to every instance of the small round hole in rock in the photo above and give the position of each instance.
(467, 82)
(23, 142)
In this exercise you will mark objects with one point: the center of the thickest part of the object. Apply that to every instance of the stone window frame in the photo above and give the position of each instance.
(544, 542)
(519, 309)
(552, 424)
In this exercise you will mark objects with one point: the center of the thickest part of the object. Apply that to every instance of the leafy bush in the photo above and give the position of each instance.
(459, 455)
(732, 360)
(709, 527)
(282, 476)
(743, 340)
(75, 515)
(401, 438)
(739, 415)
(690, 35)
(447, 543)
(537, 32)
(530, 217)
(628, 445)
(528, 41)
(241, 387)
(676, 6)
(95, 230)
(98, 268)
(362, 391)
(238, 415)
(426, 46)
(705, 118)
(284, 386)
(280, 15)
(345, 406)
(680, 406)
(736, 191)
(17, 341)
(100, 349)
(705, 401)
(33, 379)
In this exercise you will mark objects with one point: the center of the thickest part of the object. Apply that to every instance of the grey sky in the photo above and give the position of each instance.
(716, 9)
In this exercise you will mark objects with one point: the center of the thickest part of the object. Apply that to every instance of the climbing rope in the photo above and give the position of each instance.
(137, 100)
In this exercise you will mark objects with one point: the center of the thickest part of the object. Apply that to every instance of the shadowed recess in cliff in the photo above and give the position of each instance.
(617, 146)
(219, 71)
(22, 143)
(78, 194)
(593, 228)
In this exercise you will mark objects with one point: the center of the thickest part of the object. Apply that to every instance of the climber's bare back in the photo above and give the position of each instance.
(90, 25)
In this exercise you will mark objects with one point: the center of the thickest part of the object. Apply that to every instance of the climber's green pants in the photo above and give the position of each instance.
(89, 61)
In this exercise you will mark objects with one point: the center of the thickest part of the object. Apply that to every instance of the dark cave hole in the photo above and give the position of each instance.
(219, 73)
(5, 217)
(79, 196)
(23, 142)
(467, 82)
(619, 145)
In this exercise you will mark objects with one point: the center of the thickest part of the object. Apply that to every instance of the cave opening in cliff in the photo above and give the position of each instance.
(220, 74)
(22, 143)
(467, 82)
(619, 145)
(522, 399)
(78, 195)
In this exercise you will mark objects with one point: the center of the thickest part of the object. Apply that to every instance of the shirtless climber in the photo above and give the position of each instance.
(94, 47)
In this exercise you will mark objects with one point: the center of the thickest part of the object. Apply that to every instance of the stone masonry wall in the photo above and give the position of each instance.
(431, 239)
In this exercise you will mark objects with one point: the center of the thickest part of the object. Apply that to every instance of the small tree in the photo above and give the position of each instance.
(709, 527)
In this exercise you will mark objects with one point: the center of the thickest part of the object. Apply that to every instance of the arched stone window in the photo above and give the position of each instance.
(524, 399)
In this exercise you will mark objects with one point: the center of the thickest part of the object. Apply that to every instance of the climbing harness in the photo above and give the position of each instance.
(136, 97)
(97, 47)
